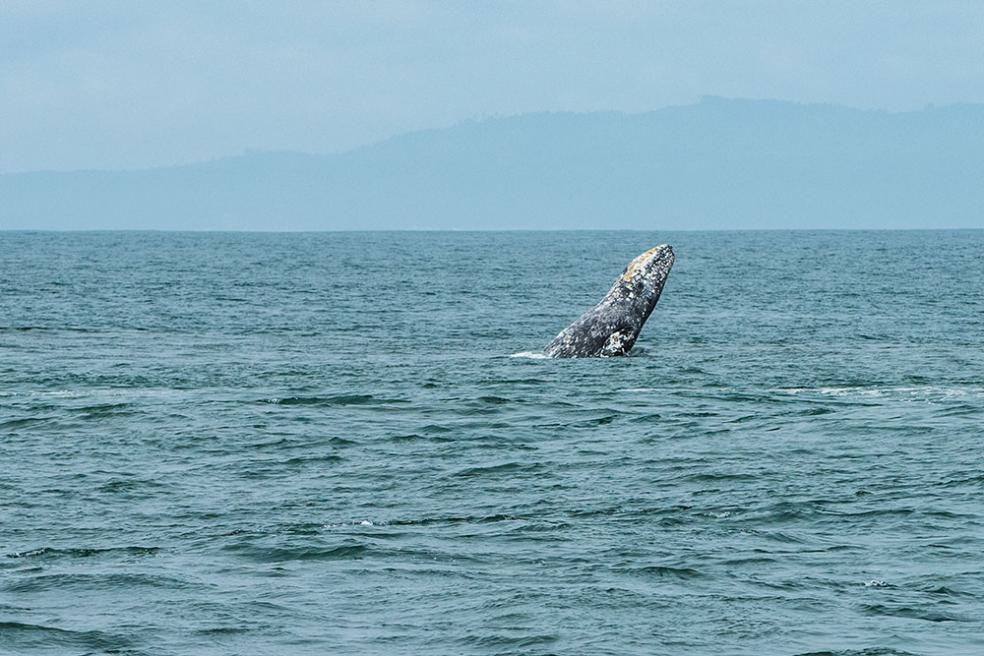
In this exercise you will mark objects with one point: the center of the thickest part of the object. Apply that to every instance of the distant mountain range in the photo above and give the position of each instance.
(720, 163)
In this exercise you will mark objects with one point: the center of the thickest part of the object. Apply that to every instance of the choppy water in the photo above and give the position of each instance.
(324, 444)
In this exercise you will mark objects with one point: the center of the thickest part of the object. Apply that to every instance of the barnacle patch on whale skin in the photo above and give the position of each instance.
(637, 263)
(615, 344)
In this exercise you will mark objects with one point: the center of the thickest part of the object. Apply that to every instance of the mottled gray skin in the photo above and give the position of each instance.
(611, 327)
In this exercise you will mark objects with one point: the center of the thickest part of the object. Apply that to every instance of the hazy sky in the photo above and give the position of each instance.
(129, 84)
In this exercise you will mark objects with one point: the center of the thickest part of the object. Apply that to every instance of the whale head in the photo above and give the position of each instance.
(641, 283)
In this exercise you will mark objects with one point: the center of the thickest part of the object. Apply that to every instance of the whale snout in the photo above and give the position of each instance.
(661, 252)
(656, 260)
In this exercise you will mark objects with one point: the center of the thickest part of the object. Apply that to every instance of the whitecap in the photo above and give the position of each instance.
(928, 393)
(530, 355)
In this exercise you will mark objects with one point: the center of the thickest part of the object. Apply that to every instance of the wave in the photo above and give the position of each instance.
(920, 392)
(664, 571)
(30, 637)
(504, 468)
(120, 581)
(337, 400)
(871, 651)
(262, 554)
(83, 552)
(914, 613)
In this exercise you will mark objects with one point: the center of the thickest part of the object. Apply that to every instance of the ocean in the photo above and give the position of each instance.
(345, 443)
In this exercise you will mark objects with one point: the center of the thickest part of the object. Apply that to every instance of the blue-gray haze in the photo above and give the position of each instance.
(320, 444)
(120, 85)
(715, 164)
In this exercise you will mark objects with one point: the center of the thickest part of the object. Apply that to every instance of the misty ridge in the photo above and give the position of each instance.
(739, 164)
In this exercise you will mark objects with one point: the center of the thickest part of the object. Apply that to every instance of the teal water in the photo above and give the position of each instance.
(339, 444)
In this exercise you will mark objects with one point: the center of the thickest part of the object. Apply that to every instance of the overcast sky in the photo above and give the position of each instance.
(100, 84)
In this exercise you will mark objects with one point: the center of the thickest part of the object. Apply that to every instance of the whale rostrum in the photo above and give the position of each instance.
(611, 327)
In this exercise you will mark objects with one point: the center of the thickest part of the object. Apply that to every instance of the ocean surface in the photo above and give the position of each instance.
(344, 443)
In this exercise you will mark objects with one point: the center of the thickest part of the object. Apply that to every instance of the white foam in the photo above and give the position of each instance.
(920, 393)
(530, 355)
(366, 522)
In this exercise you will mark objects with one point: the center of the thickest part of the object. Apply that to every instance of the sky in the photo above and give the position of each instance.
(120, 85)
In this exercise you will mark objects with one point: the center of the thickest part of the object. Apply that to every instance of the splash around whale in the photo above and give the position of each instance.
(612, 326)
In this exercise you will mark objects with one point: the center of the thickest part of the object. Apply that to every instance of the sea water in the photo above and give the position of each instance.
(345, 443)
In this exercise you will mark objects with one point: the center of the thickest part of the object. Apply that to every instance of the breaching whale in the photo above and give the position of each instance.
(611, 327)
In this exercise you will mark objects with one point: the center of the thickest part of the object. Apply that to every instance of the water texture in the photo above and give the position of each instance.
(343, 444)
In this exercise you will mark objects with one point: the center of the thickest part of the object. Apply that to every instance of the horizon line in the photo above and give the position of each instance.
(470, 230)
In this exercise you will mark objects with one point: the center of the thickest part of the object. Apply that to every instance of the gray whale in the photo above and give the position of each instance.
(611, 327)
